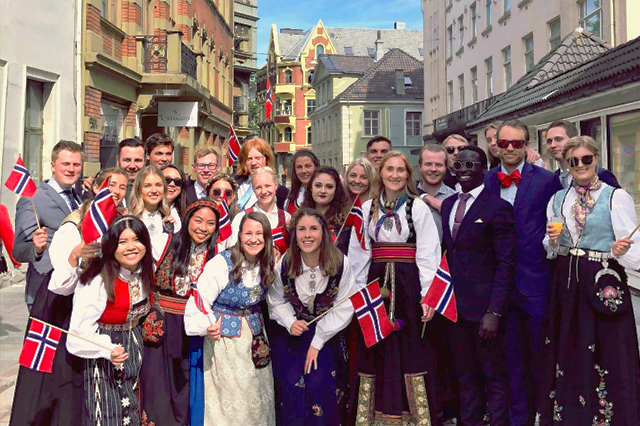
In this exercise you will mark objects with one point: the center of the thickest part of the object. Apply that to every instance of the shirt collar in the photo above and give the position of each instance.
(199, 189)
(55, 185)
(476, 191)
(519, 168)
(274, 210)
(306, 267)
(127, 275)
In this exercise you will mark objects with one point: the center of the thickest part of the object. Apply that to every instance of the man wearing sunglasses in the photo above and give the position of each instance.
(528, 188)
(205, 166)
(452, 145)
(479, 235)
(558, 133)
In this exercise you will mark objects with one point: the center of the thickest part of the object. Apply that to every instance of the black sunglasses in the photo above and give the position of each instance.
(176, 181)
(459, 166)
(516, 144)
(217, 192)
(586, 160)
(453, 149)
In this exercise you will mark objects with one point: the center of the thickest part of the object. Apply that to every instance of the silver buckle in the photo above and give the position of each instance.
(577, 252)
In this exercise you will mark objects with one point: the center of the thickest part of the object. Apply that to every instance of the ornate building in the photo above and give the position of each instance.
(244, 62)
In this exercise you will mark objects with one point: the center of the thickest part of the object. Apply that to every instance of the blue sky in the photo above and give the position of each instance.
(304, 14)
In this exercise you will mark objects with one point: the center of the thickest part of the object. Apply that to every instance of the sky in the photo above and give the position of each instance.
(304, 14)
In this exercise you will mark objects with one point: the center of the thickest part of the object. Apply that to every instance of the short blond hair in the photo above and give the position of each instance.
(456, 137)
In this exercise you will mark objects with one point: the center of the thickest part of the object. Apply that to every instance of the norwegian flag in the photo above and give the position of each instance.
(101, 214)
(356, 219)
(270, 101)
(291, 207)
(197, 298)
(440, 295)
(20, 181)
(224, 224)
(278, 239)
(40, 346)
(371, 314)
(234, 147)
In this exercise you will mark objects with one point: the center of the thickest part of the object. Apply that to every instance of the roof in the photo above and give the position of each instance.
(346, 64)
(551, 75)
(291, 45)
(379, 81)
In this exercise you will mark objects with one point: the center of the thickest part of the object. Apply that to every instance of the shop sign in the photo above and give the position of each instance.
(177, 114)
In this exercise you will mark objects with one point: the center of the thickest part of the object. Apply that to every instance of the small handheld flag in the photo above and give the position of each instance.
(440, 295)
(197, 298)
(20, 181)
(40, 346)
(356, 219)
(270, 101)
(234, 147)
(101, 214)
(279, 240)
(371, 314)
(224, 224)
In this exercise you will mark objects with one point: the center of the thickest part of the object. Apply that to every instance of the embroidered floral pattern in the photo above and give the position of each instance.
(606, 407)
(611, 297)
(145, 420)
(300, 383)
(317, 410)
(152, 328)
(558, 371)
(592, 348)
(557, 409)
(582, 400)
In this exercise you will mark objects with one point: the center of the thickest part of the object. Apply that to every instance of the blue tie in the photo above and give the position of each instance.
(72, 199)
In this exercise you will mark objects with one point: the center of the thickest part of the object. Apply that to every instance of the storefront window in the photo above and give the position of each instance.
(625, 152)
(112, 119)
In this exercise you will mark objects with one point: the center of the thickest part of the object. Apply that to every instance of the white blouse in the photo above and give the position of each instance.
(427, 243)
(283, 313)
(159, 239)
(64, 277)
(272, 216)
(214, 278)
(178, 224)
(89, 303)
(623, 219)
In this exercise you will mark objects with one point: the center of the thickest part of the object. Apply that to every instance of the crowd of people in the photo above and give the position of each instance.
(173, 323)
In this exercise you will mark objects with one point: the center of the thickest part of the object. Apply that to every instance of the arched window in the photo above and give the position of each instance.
(319, 50)
(287, 76)
(287, 134)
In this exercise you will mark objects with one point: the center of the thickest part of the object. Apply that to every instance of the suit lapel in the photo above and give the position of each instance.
(491, 182)
(446, 231)
(527, 174)
(471, 215)
(56, 198)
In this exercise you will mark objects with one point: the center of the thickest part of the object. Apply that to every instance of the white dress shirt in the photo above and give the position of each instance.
(59, 189)
(199, 190)
(509, 194)
(64, 277)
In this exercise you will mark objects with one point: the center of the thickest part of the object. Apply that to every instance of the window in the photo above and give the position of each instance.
(413, 123)
(309, 133)
(474, 84)
(474, 21)
(287, 76)
(591, 16)
(488, 65)
(554, 34)
(488, 12)
(507, 6)
(371, 51)
(625, 145)
(309, 76)
(348, 50)
(319, 50)
(528, 53)
(33, 130)
(311, 106)
(371, 123)
(461, 31)
(506, 54)
(450, 41)
(461, 90)
(450, 91)
(421, 51)
(287, 134)
(286, 107)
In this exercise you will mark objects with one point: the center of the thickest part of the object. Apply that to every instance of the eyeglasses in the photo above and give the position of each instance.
(217, 192)
(176, 181)
(575, 161)
(516, 143)
(210, 166)
(453, 149)
(459, 166)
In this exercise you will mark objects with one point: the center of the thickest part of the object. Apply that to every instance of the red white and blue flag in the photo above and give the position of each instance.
(371, 314)
(440, 295)
(234, 147)
(101, 214)
(197, 298)
(356, 219)
(40, 346)
(278, 240)
(270, 101)
(224, 224)
(20, 181)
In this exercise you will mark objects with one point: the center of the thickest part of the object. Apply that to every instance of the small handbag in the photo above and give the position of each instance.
(260, 350)
(153, 326)
(609, 295)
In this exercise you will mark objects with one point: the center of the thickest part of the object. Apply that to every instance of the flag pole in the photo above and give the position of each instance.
(71, 333)
(36, 213)
(634, 231)
(347, 218)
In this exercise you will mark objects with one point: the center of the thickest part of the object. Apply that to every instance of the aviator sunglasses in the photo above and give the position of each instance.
(516, 144)
(586, 160)
(217, 192)
(176, 181)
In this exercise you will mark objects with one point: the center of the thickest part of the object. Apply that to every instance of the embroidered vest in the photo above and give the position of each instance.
(119, 310)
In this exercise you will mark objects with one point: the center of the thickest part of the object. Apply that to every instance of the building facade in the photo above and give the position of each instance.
(244, 62)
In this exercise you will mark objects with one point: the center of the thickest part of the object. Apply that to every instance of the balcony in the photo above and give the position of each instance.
(155, 54)
(189, 62)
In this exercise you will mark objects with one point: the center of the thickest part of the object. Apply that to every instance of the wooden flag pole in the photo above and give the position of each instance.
(71, 333)
(634, 231)
(35, 213)
(347, 218)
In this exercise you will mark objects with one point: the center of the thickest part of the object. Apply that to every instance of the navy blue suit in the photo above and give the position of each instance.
(527, 305)
(482, 263)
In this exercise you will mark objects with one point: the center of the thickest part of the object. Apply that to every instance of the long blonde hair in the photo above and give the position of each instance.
(371, 173)
(410, 187)
(136, 204)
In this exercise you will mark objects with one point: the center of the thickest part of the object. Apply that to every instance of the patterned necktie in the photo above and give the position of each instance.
(72, 199)
(457, 219)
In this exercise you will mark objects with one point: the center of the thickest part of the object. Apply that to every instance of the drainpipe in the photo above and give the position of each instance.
(78, 71)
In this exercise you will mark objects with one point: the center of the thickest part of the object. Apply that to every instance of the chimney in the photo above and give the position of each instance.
(399, 25)
(400, 82)
(379, 47)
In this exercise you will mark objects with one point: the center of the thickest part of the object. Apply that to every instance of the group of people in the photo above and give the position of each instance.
(173, 322)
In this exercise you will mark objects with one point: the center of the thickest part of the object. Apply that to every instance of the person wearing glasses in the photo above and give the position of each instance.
(205, 166)
(452, 145)
(176, 195)
(591, 367)
(558, 133)
(224, 185)
(528, 188)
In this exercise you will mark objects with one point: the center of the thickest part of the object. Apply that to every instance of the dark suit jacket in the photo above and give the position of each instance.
(605, 176)
(537, 186)
(482, 259)
(191, 192)
(449, 179)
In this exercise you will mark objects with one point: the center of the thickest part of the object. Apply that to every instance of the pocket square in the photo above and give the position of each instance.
(478, 221)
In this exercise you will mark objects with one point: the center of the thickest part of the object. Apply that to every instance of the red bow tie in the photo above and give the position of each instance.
(506, 180)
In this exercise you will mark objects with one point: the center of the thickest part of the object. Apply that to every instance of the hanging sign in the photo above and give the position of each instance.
(177, 114)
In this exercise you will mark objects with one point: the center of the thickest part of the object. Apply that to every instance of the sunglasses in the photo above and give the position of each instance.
(217, 192)
(453, 149)
(459, 166)
(586, 160)
(176, 181)
(516, 144)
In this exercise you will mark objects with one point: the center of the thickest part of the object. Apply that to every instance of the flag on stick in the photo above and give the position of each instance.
(278, 240)
(270, 101)
(40, 346)
(224, 224)
(440, 295)
(101, 214)
(197, 298)
(371, 314)
(234, 147)
(20, 181)
(356, 219)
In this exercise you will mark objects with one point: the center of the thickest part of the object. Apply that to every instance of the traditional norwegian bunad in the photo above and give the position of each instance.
(291, 206)
(397, 383)
(160, 233)
(316, 398)
(591, 369)
(237, 377)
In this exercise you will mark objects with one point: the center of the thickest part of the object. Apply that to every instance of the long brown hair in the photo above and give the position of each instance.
(330, 255)
(410, 187)
(266, 257)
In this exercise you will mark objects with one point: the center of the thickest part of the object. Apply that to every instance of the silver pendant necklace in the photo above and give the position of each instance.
(312, 282)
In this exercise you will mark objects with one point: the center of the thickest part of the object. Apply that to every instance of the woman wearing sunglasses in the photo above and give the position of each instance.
(591, 367)
(176, 195)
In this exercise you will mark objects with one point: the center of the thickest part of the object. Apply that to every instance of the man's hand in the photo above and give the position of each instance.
(489, 326)
(87, 184)
(298, 327)
(433, 201)
(40, 240)
(532, 156)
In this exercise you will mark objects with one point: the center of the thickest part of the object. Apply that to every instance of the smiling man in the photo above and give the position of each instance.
(377, 147)
(159, 149)
(205, 166)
